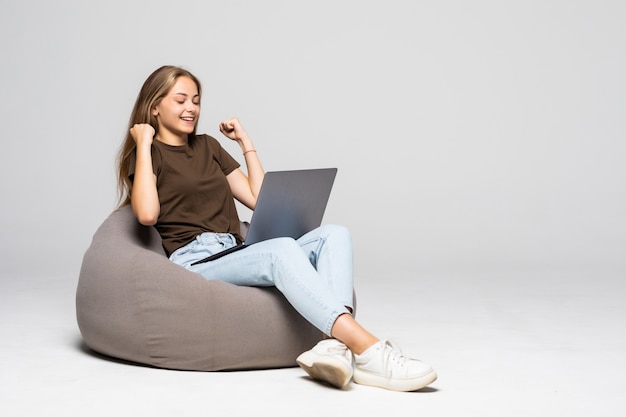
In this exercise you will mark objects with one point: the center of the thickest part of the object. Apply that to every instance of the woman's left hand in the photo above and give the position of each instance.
(232, 129)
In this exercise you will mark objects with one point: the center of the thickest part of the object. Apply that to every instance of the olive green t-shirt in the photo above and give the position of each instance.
(193, 192)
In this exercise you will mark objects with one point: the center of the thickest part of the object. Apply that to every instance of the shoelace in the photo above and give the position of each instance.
(392, 353)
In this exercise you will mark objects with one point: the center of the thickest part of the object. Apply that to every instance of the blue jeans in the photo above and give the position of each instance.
(314, 273)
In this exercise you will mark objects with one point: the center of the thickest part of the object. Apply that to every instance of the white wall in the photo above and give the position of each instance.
(468, 134)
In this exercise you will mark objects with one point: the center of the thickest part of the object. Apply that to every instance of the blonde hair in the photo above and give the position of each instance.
(156, 86)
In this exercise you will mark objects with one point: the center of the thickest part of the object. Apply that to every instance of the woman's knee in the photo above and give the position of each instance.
(339, 232)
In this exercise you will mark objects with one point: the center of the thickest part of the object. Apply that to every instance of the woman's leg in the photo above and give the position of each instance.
(352, 334)
(321, 274)
(277, 262)
(283, 263)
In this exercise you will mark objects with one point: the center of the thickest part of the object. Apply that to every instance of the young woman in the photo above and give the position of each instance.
(185, 184)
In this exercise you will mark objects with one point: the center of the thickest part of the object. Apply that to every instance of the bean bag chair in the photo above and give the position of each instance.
(134, 304)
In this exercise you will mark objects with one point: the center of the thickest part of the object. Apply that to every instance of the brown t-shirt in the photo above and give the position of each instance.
(193, 191)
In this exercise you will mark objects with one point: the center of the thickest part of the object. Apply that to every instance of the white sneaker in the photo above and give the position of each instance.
(329, 361)
(382, 365)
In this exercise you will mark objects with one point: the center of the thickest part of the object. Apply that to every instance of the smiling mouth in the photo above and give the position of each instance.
(188, 119)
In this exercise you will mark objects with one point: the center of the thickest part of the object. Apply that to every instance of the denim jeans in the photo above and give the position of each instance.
(314, 272)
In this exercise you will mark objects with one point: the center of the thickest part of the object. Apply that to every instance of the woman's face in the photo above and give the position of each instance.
(177, 113)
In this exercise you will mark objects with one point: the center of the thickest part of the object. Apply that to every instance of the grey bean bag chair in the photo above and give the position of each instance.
(134, 304)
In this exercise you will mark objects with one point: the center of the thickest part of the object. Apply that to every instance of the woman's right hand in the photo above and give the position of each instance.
(143, 134)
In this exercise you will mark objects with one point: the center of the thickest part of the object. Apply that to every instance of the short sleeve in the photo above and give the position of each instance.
(227, 163)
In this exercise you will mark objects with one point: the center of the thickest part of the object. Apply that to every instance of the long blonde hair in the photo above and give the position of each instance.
(156, 86)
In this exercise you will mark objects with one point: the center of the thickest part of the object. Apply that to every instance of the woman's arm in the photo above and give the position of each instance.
(245, 188)
(144, 198)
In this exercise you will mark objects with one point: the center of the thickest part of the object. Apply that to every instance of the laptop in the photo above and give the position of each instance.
(290, 204)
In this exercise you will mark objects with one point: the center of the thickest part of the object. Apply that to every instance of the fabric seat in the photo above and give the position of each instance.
(132, 303)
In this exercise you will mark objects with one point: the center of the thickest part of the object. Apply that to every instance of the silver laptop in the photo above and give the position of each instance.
(290, 204)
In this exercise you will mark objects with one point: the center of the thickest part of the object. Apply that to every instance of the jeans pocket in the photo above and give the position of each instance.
(182, 251)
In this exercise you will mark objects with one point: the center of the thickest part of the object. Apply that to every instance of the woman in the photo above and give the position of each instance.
(185, 184)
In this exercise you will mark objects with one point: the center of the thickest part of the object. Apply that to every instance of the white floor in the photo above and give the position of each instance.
(504, 344)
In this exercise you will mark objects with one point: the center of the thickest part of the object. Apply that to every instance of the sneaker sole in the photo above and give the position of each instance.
(325, 369)
(394, 384)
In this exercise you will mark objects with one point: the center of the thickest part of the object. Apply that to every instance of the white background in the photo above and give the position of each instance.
(480, 147)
